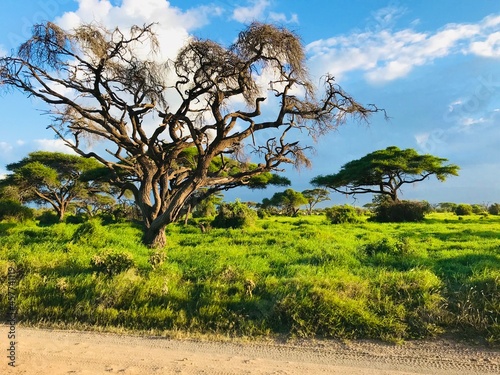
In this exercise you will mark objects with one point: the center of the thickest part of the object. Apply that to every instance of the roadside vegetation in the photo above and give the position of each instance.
(295, 276)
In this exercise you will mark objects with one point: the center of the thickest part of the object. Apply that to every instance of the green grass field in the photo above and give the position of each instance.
(299, 276)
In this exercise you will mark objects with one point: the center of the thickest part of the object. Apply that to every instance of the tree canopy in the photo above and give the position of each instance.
(385, 172)
(288, 201)
(315, 196)
(53, 178)
(149, 112)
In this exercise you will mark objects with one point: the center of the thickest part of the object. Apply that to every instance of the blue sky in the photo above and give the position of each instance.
(434, 66)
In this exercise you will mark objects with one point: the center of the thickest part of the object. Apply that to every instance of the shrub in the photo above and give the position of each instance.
(342, 214)
(494, 209)
(10, 209)
(48, 218)
(392, 246)
(263, 213)
(234, 215)
(157, 258)
(87, 231)
(112, 263)
(76, 219)
(402, 211)
(463, 209)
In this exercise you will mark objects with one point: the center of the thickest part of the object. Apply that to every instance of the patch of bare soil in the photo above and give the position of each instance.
(43, 351)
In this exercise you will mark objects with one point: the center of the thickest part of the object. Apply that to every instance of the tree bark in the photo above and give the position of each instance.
(60, 214)
(155, 237)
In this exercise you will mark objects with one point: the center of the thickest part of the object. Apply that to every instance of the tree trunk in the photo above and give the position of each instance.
(188, 212)
(60, 214)
(155, 237)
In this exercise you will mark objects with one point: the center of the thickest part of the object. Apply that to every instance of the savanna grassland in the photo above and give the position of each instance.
(302, 277)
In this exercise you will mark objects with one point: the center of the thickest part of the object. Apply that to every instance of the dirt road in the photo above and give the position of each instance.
(41, 351)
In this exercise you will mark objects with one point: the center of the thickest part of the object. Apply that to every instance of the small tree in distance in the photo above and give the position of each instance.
(315, 196)
(288, 201)
(385, 172)
(54, 178)
(99, 86)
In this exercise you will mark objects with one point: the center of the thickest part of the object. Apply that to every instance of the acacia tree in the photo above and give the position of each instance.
(315, 196)
(288, 201)
(100, 86)
(385, 172)
(53, 178)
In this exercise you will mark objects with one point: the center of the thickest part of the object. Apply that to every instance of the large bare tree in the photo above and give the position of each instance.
(101, 87)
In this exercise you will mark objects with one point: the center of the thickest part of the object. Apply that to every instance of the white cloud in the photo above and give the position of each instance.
(250, 13)
(282, 18)
(173, 26)
(385, 55)
(5, 148)
(54, 145)
(489, 47)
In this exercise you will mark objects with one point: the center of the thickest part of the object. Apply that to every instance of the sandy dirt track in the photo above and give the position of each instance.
(42, 351)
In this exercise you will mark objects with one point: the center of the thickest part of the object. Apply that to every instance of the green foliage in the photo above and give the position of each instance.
(208, 206)
(112, 263)
(288, 201)
(464, 209)
(494, 209)
(342, 214)
(385, 172)
(234, 215)
(46, 217)
(157, 258)
(388, 245)
(446, 207)
(315, 196)
(12, 210)
(53, 178)
(401, 211)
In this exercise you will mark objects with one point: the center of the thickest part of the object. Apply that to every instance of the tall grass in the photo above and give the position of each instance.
(294, 276)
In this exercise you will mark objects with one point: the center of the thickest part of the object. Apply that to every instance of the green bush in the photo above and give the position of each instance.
(76, 219)
(112, 263)
(402, 211)
(10, 209)
(342, 214)
(494, 209)
(48, 218)
(399, 246)
(234, 215)
(463, 209)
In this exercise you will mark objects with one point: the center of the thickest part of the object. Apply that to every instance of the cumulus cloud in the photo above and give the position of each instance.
(257, 10)
(54, 145)
(282, 18)
(172, 25)
(251, 13)
(385, 55)
(489, 47)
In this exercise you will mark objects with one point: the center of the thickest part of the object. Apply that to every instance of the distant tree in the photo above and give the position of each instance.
(494, 209)
(315, 196)
(95, 204)
(385, 172)
(53, 178)
(208, 206)
(446, 207)
(288, 201)
(100, 86)
(479, 209)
